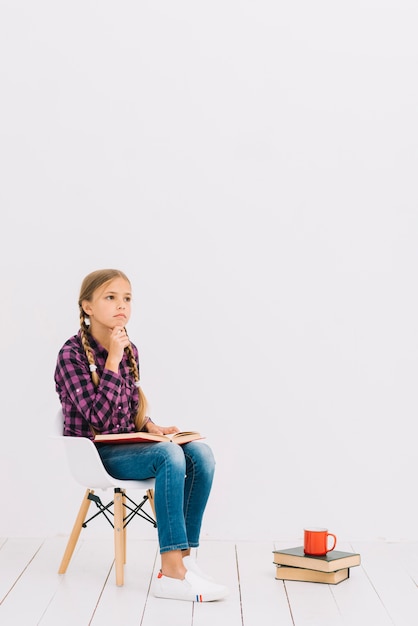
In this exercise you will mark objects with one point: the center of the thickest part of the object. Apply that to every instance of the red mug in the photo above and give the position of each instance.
(315, 541)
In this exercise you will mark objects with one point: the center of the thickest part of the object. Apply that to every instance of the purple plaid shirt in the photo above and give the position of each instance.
(109, 408)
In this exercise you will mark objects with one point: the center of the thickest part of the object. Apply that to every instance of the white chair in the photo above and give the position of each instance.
(87, 468)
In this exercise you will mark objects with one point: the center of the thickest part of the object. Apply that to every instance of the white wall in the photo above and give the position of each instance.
(252, 166)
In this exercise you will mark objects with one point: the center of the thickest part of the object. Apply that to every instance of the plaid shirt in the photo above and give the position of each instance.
(108, 408)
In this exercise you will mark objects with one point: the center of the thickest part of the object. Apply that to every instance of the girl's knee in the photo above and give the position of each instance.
(201, 454)
(172, 454)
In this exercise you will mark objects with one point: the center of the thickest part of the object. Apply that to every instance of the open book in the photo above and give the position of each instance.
(141, 437)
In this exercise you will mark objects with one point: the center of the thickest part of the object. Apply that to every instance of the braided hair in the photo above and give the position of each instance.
(89, 285)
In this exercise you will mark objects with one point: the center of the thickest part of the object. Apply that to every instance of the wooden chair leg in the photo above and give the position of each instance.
(150, 494)
(75, 533)
(124, 527)
(119, 536)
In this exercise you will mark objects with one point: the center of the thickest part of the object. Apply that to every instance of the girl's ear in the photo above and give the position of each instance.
(86, 307)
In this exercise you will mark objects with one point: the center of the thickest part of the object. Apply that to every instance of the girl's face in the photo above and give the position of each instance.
(110, 305)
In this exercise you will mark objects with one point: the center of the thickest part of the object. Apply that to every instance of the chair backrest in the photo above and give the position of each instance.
(84, 461)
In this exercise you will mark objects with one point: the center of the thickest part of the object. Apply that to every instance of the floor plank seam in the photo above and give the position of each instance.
(239, 584)
(21, 573)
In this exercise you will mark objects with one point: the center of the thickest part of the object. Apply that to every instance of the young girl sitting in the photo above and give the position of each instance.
(97, 380)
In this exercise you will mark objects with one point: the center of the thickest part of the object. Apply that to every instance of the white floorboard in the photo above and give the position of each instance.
(393, 584)
(261, 593)
(127, 604)
(381, 592)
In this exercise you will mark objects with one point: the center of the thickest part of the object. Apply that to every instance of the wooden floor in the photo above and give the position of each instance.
(381, 592)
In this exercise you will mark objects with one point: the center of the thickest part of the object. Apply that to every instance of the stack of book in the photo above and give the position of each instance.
(332, 568)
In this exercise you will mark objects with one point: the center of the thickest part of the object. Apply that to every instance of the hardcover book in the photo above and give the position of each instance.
(330, 562)
(313, 576)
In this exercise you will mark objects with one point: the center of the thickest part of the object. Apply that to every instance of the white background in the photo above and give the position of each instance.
(252, 166)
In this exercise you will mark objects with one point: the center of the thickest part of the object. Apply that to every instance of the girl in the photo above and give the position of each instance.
(97, 380)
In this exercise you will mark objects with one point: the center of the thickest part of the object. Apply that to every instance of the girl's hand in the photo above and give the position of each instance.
(161, 430)
(118, 341)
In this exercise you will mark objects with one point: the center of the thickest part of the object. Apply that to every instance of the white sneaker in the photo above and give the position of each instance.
(192, 588)
(191, 564)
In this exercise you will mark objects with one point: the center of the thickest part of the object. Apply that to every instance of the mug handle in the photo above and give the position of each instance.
(335, 541)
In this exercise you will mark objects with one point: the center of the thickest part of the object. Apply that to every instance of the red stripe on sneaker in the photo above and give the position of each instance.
(199, 599)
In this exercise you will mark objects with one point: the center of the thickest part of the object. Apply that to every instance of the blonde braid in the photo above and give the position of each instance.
(140, 417)
(87, 349)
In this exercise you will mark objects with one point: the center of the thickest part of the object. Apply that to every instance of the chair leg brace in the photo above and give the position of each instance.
(136, 510)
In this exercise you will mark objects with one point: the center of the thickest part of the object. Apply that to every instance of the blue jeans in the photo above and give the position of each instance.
(183, 480)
